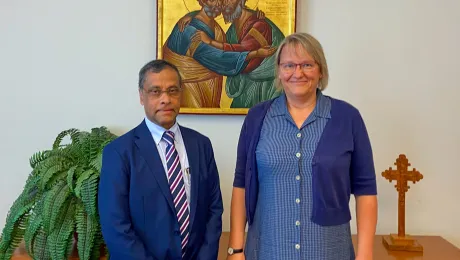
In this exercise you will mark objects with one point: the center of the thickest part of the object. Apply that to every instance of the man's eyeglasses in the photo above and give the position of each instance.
(290, 67)
(157, 92)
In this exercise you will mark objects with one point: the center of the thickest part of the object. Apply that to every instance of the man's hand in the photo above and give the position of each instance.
(266, 51)
(260, 14)
(201, 36)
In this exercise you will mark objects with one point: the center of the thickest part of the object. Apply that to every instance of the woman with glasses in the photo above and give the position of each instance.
(300, 157)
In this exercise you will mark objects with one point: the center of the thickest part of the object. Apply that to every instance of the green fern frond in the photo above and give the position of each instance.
(16, 236)
(88, 194)
(39, 248)
(52, 158)
(50, 173)
(65, 157)
(85, 175)
(54, 201)
(14, 217)
(35, 223)
(76, 137)
(87, 228)
(65, 224)
(98, 246)
(59, 199)
(17, 217)
(30, 193)
(81, 139)
(70, 242)
(96, 163)
(37, 158)
(61, 135)
(48, 168)
(58, 177)
(70, 177)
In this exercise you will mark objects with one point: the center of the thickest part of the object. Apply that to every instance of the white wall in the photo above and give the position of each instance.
(74, 64)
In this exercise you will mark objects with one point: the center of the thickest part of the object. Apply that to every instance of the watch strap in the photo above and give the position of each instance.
(232, 251)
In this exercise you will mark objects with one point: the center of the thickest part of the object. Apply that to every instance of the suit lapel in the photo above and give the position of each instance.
(147, 147)
(191, 146)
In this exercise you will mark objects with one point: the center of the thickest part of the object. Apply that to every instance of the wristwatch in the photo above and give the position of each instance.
(232, 251)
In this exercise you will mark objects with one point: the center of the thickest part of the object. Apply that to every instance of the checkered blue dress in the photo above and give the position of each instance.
(282, 227)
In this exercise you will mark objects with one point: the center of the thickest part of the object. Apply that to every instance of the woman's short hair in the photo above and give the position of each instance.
(313, 48)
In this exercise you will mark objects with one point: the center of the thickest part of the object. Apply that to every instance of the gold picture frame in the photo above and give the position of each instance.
(279, 14)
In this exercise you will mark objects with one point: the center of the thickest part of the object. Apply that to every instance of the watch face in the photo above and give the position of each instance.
(230, 251)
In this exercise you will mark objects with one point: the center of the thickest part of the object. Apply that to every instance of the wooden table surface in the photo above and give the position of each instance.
(435, 248)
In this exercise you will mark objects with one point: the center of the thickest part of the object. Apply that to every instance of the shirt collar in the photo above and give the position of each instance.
(157, 131)
(322, 107)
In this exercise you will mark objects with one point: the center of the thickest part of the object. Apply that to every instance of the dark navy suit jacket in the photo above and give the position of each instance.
(137, 215)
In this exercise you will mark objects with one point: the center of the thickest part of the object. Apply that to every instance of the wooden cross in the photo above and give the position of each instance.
(401, 175)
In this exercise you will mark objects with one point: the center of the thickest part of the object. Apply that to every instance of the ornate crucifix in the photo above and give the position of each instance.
(401, 175)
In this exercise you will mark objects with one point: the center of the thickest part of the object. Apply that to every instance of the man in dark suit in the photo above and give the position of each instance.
(159, 193)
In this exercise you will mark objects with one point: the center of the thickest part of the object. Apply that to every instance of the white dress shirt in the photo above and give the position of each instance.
(157, 134)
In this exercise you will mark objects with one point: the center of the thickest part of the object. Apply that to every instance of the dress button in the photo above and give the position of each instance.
(298, 155)
(297, 177)
(297, 223)
(299, 135)
(297, 246)
(297, 201)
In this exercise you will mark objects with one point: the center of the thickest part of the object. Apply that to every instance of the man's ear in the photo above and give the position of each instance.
(141, 97)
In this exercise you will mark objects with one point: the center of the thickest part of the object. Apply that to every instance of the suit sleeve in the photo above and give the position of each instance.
(119, 236)
(363, 179)
(210, 248)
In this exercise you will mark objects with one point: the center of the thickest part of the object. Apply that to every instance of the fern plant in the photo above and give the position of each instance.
(59, 200)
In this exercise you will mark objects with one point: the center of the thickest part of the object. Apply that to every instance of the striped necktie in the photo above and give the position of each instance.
(177, 187)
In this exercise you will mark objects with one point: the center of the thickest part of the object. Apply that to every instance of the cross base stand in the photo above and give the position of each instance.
(394, 242)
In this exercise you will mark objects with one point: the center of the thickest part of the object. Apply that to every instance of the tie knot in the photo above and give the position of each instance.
(168, 136)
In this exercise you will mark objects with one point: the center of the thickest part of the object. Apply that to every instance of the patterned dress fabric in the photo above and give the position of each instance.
(282, 227)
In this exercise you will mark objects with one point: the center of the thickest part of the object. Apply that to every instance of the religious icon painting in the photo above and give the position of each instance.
(224, 50)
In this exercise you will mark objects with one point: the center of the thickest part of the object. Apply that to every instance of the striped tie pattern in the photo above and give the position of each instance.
(177, 187)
